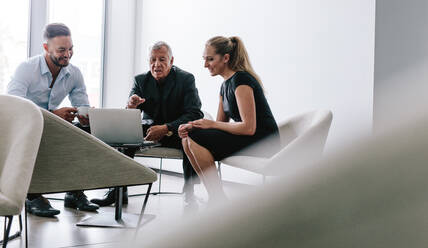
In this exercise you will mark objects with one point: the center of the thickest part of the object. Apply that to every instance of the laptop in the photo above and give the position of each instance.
(118, 127)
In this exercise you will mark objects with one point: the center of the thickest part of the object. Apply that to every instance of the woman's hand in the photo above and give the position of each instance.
(183, 130)
(203, 124)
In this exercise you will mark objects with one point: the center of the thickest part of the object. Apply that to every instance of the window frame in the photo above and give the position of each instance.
(38, 18)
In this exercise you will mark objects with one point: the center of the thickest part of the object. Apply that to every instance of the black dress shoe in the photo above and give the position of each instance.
(41, 207)
(78, 200)
(110, 198)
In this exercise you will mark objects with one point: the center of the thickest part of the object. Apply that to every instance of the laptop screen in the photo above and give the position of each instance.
(116, 126)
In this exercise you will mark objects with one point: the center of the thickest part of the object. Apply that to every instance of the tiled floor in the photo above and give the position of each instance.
(62, 231)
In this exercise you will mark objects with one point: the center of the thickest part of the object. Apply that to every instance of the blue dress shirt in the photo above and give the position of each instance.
(33, 78)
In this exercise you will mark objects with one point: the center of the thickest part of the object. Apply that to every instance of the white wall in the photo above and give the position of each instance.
(401, 61)
(310, 54)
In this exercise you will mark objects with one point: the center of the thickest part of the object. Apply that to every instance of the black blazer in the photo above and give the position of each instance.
(179, 102)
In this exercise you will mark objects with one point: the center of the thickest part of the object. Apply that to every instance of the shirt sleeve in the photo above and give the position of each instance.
(18, 86)
(78, 96)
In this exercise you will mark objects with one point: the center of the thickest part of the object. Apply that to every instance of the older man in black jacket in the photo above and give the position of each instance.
(169, 97)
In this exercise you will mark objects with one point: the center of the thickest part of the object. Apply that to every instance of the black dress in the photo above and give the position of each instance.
(222, 144)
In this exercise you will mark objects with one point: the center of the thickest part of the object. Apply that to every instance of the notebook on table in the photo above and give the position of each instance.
(118, 127)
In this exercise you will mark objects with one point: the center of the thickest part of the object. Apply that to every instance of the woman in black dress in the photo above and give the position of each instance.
(241, 99)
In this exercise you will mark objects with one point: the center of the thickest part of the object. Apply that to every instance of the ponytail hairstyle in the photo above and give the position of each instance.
(239, 60)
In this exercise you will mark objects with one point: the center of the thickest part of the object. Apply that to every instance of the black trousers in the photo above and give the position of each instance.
(190, 175)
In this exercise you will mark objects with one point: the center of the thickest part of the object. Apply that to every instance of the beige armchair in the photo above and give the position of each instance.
(71, 159)
(21, 126)
(165, 153)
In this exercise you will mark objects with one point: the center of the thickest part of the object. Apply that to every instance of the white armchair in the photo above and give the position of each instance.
(21, 125)
(302, 138)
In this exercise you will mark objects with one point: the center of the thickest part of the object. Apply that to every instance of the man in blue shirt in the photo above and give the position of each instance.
(46, 80)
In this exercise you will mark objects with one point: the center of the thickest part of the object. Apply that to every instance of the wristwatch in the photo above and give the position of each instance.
(169, 133)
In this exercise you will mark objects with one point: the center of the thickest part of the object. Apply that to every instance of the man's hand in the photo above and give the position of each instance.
(66, 113)
(183, 130)
(84, 121)
(134, 101)
(156, 133)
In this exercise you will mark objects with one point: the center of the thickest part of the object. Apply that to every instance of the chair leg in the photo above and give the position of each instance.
(6, 229)
(20, 223)
(160, 176)
(26, 227)
(144, 207)
(160, 182)
(159, 192)
(16, 235)
(219, 170)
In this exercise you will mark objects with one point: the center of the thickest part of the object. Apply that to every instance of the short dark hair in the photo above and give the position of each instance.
(55, 29)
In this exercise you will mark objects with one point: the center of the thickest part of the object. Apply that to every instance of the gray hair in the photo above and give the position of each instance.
(158, 45)
(55, 29)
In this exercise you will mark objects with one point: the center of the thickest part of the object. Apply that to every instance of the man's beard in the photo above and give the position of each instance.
(55, 61)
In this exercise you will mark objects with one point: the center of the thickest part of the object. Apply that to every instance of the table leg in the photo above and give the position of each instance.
(118, 203)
